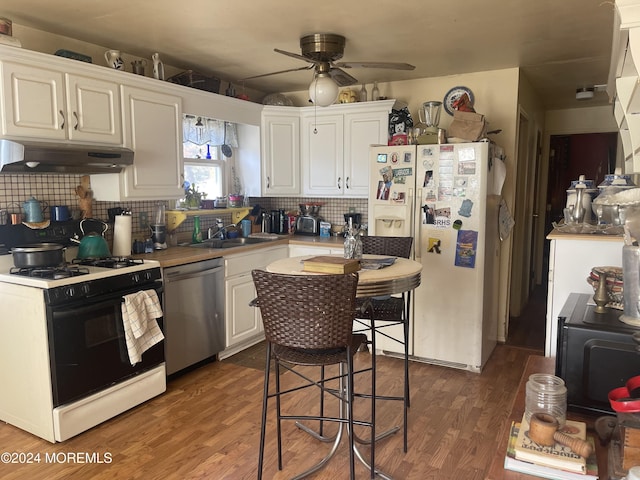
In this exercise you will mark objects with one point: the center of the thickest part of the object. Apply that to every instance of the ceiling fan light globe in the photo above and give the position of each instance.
(323, 91)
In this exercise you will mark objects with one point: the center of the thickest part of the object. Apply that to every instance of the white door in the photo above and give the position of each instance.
(94, 108)
(361, 130)
(281, 154)
(323, 155)
(33, 100)
(243, 320)
(153, 126)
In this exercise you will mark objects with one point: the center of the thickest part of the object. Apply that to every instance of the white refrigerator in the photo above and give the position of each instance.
(448, 198)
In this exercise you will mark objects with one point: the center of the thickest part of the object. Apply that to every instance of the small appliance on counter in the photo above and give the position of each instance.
(159, 228)
(308, 222)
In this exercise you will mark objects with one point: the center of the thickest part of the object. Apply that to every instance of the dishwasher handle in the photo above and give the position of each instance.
(176, 276)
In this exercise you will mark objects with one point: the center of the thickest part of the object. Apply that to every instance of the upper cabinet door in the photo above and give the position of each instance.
(94, 110)
(323, 155)
(280, 154)
(153, 122)
(33, 102)
(361, 130)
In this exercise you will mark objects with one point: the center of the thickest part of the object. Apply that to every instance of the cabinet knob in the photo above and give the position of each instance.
(268, 182)
(63, 120)
(339, 182)
(346, 183)
(75, 127)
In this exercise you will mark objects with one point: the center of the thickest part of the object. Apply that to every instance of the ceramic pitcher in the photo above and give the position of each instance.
(113, 59)
(158, 67)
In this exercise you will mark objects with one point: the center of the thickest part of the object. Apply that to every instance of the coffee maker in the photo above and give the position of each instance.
(159, 228)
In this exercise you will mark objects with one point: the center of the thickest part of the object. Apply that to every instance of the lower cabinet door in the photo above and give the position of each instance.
(243, 320)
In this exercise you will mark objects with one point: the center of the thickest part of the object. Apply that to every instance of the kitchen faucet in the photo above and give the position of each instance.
(221, 230)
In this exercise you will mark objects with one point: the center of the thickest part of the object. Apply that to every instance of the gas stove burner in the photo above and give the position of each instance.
(51, 273)
(109, 262)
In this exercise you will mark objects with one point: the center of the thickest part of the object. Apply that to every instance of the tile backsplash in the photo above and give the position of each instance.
(55, 189)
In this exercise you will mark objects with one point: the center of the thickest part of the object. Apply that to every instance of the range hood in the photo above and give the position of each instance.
(18, 156)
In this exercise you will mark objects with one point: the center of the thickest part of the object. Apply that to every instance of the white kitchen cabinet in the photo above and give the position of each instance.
(335, 147)
(153, 126)
(624, 79)
(243, 323)
(44, 103)
(322, 155)
(280, 151)
(571, 258)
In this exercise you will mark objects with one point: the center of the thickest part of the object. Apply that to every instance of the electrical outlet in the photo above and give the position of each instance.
(144, 220)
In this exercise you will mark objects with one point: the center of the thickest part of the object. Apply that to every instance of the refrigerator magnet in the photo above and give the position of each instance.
(466, 246)
(434, 246)
(465, 208)
(457, 224)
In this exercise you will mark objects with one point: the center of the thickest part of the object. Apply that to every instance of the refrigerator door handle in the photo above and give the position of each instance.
(417, 223)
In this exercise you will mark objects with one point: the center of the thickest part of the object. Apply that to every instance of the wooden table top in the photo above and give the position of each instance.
(402, 276)
(535, 364)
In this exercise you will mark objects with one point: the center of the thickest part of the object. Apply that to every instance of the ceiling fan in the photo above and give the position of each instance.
(321, 51)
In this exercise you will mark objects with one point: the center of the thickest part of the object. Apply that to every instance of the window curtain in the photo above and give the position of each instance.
(202, 131)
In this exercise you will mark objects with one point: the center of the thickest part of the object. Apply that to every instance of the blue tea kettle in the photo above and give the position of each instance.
(33, 210)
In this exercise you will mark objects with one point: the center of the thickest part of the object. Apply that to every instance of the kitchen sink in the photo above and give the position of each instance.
(228, 243)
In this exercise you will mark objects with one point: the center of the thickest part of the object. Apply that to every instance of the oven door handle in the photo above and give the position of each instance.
(115, 300)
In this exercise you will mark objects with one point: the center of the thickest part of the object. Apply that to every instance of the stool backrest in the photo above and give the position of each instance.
(395, 246)
(307, 311)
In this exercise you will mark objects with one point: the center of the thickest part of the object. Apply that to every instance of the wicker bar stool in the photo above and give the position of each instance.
(384, 312)
(308, 321)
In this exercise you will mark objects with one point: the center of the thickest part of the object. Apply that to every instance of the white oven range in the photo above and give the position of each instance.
(62, 348)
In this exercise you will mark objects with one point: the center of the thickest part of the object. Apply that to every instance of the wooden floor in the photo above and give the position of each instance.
(207, 426)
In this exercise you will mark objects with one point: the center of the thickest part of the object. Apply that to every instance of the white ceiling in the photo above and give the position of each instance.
(560, 44)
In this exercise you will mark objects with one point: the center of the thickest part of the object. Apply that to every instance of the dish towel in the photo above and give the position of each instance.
(139, 313)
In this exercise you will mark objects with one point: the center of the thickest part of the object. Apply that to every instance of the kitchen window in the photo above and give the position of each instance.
(204, 163)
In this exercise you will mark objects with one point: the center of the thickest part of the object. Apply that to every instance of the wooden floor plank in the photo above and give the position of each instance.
(207, 426)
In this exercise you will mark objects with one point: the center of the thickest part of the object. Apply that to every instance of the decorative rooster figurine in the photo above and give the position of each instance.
(85, 196)
(463, 104)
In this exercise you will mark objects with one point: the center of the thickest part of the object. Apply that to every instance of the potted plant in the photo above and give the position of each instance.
(236, 199)
(192, 196)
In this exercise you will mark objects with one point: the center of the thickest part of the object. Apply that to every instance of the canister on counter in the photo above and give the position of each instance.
(246, 227)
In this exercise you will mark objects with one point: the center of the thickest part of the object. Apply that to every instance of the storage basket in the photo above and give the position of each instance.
(192, 79)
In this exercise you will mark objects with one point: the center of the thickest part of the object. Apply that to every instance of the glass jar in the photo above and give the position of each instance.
(375, 93)
(363, 94)
(547, 394)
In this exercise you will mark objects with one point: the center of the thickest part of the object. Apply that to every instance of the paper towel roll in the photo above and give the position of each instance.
(122, 236)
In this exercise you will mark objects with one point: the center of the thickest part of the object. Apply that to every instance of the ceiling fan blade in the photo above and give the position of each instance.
(342, 78)
(392, 65)
(307, 67)
(294, 55)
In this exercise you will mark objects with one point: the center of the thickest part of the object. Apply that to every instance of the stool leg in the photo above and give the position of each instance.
(348, 396)
(278, 413)
(265, 396)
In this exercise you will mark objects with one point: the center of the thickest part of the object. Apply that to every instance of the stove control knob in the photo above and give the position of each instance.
(70, 292)
(135, 278)
(85, 288)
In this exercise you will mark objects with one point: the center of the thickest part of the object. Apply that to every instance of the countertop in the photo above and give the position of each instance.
(174, 256)
(559, 234)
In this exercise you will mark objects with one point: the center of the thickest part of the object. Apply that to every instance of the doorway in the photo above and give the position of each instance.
(592, 155)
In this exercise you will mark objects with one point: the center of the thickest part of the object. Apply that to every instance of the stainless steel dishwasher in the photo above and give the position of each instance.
(193, 313)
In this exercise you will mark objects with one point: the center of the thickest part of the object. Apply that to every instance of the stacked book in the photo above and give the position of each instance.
(331, 264)
(557, 462)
